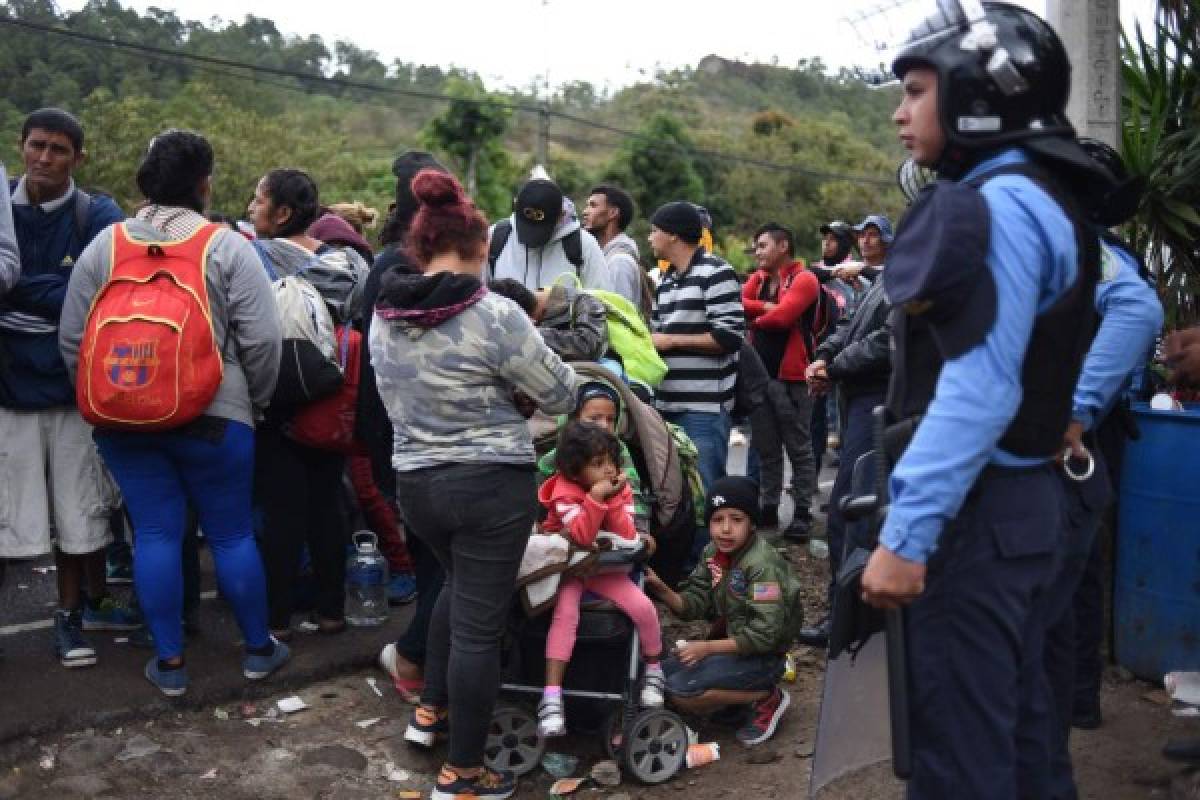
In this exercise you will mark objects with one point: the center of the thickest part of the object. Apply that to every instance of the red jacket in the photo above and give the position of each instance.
(798, 290)
(574, 512)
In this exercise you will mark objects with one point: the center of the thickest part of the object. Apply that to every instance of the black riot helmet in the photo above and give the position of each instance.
(1115, 204)
(1003, 75)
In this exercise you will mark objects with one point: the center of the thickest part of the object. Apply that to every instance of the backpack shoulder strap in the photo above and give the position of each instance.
(500, 233)
(573, 248)
(83, 210)
(266, 262)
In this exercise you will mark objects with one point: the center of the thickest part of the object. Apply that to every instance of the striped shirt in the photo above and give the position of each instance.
(705, 299)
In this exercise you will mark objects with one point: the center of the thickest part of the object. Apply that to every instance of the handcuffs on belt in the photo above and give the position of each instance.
(1078, 477)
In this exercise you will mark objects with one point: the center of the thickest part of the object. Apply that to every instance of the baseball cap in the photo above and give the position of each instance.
(536, 210)
(879, 221)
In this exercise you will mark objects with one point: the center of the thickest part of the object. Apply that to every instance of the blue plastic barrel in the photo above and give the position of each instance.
(1157, 597)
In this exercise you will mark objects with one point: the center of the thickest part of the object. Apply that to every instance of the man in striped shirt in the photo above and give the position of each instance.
(698, 329)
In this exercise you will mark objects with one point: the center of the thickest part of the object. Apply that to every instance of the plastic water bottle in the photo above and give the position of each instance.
(366, 582)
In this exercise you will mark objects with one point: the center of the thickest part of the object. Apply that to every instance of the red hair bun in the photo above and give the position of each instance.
(434, 188)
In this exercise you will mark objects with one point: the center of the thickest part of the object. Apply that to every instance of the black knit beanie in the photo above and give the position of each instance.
(733, 491)
(680, 218)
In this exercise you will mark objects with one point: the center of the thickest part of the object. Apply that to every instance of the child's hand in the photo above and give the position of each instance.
(654, 584)
(651, 546)
(692, 653)
(605, 488)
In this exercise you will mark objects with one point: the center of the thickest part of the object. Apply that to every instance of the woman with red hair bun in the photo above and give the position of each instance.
(455, 366)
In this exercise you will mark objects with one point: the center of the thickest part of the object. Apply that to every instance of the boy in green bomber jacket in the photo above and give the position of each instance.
(753, 597)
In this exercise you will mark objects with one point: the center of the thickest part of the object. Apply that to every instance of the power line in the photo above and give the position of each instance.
(213, 64)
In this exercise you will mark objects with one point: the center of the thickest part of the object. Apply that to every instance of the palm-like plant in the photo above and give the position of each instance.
(1161, 143)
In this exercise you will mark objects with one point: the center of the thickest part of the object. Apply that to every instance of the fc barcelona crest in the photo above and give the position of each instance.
(131, 365)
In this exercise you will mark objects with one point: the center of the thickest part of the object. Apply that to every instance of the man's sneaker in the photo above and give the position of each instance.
(402, 589)
(767, 714)
(654, 684)
(487, 784)
(171, 682)
(110, 615)
(426, 725)
(73, 650)
(816, 635)
(256, 667)
(118, 573)
(552, 720)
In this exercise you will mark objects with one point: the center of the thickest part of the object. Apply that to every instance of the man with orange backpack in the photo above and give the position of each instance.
(54, 492)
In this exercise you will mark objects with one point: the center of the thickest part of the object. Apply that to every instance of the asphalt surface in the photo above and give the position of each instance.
(42, 696)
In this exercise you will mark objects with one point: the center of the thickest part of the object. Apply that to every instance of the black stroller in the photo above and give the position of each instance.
(649, 744)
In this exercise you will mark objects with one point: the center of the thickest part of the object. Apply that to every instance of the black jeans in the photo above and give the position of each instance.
(476, 519)
(857, 440)
(298, 490)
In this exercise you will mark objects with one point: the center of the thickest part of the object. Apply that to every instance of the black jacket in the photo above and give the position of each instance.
(858, 354)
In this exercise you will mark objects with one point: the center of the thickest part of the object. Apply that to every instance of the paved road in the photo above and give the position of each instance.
(52, 698)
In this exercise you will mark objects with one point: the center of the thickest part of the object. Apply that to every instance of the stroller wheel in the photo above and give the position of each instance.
(513, 743)
(655, 746)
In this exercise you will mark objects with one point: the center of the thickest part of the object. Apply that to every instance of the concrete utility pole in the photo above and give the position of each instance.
(1090, 30)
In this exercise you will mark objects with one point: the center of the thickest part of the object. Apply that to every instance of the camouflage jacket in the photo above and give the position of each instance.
(448, 358)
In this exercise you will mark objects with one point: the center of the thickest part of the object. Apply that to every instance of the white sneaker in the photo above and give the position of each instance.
(551, 719)
(653, 687)
(387, 659)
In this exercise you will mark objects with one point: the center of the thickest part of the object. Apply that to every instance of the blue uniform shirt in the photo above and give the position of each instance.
(1131, 316)
(1032, 257)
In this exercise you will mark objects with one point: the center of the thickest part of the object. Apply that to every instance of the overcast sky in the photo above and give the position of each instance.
(611, 43)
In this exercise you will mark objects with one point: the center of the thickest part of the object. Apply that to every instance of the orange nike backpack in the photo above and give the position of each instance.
(149, 359)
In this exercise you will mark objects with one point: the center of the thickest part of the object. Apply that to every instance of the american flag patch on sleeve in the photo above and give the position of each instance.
(766, 592)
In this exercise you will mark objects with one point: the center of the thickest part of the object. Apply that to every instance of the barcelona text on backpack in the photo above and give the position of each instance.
(149, 358)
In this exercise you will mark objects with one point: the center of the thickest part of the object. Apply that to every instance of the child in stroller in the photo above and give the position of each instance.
(587, 495)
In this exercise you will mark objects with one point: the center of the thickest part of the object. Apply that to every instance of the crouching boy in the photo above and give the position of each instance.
(753, 598)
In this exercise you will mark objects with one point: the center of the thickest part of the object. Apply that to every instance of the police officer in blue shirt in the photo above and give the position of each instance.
(992, 277)
(1131, 317)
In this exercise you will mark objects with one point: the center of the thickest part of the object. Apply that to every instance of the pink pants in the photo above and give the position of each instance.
(624, 594)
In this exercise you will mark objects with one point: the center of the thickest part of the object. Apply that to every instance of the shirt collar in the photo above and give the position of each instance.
(1012, 155)
(20, 196)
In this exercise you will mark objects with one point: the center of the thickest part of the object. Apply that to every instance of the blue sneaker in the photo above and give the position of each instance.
(111, 615)
(402, 589)
(69, 645)
(255, 668)
(171, 682)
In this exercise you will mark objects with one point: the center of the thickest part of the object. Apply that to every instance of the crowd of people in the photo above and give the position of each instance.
(289, 375)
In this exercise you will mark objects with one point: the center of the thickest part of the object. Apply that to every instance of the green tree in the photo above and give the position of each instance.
(657, 165)
(470, 131)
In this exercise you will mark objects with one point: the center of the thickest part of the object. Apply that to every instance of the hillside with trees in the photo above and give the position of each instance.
(752, 142)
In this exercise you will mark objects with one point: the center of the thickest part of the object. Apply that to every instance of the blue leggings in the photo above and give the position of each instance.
(159, 474)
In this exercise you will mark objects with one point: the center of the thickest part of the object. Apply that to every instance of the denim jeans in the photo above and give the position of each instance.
(723, 671)
(475, 518)
(160, 474)
(710, 434)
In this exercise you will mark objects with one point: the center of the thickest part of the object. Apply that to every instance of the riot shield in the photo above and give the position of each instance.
(864, 705)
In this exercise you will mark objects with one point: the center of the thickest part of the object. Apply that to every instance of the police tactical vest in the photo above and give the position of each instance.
(1053, 359)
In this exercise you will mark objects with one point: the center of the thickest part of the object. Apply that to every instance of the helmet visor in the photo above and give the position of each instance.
(888, 29)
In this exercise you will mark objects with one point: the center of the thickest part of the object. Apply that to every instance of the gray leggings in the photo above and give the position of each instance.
(475, 518)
